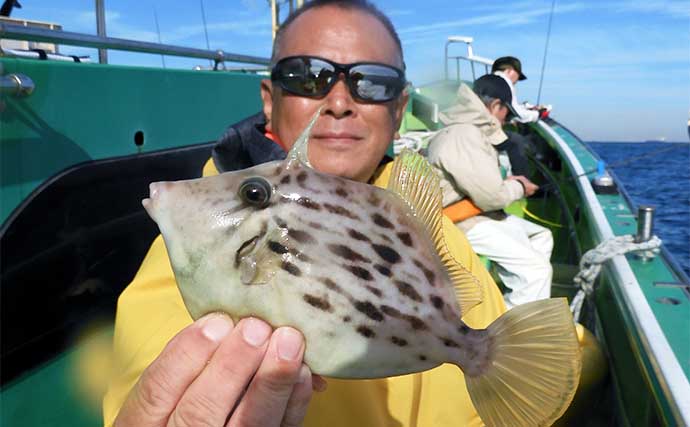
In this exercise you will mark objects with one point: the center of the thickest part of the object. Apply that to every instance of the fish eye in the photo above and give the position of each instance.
(256, 191)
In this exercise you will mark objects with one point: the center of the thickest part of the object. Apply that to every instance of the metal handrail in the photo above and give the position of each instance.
(471, 57)
(18, 32)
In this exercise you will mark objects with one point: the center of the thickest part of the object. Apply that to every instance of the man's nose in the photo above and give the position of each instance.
(339, 102)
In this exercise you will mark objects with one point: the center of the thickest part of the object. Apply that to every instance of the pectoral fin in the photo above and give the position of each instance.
(259, 264)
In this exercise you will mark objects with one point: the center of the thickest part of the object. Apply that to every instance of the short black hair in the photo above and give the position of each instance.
(361, 5)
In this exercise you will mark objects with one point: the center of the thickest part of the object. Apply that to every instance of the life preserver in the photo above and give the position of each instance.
(460, 211)
(591, 386)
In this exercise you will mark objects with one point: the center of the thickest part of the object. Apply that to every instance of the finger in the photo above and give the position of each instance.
(296, 408)
(267, 396)
(162, 384)
(211, 397)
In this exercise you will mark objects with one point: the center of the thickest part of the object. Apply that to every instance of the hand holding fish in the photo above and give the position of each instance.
(366, 276)
(217, 373)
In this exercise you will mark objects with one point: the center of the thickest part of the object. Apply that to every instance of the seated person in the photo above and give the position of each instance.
(510, 69)
(465, 154)
(172, 371)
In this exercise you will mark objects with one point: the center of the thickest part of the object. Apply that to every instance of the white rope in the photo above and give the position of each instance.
(414, 140)
(591, 261)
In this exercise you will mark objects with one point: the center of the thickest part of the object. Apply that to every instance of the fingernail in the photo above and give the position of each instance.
(216, 326)
(255, 332)
(304, 374)
(289, 344)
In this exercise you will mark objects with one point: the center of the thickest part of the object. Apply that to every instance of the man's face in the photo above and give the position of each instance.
(351, 136)
(513, 75)
(499, 110)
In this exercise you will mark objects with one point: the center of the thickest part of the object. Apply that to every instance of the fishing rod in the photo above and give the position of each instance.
(611, 165)
(546, 49)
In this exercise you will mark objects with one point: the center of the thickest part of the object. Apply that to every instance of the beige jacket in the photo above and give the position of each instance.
(463, 153)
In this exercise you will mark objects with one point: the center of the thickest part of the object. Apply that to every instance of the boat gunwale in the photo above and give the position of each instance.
(672, 380)
(666, 255)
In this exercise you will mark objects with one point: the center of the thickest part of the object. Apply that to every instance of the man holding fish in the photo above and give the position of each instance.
(216, 371)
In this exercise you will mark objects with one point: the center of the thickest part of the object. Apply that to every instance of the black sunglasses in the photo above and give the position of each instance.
(314, 77)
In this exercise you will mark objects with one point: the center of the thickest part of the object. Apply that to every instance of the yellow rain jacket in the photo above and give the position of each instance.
(150, 312)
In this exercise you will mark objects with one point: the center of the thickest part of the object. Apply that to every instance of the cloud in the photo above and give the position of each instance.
(675, 9)
(505, 18)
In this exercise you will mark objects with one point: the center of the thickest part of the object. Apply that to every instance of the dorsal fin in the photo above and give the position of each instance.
(414, 179)
(298, 152)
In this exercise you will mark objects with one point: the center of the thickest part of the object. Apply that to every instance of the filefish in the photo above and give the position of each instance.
(365, 274)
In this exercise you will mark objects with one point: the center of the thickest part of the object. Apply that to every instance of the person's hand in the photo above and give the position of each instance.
(529, 187)
(214, 374)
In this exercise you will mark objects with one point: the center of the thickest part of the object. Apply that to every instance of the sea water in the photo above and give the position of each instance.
(661, 180)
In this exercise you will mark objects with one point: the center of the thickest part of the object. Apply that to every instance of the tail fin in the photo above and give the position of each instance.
(534, 369)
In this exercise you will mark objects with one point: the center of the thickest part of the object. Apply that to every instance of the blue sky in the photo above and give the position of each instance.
(615, 70)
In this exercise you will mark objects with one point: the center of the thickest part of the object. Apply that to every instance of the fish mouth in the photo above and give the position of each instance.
(149, 203)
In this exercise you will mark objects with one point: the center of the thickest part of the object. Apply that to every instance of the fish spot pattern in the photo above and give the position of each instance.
(365, 331)
(301, 236)
(385, 271)
(436, 301)
(408, 290)
(320, 303)
(369, 309)
(374, 291)
(387, 253)
(381, 221)
(374, 200)
(330, 284)
(357, 235)
(398, 341)
(386, 238)
(406, 238)
(347, 253)
(430, 276)
(315, 225)
(359, 272)
(414, 321)
(277, 247)
(308, 203)
(339, 210)
(291, 268)
(340, 191)
(285, 179)
(449, 343)
(300, 255)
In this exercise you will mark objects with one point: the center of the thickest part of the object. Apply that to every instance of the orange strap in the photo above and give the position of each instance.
(460, 211)
(275, 139)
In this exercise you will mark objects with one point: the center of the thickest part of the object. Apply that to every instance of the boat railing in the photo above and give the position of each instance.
(469, 57)
(18, 32)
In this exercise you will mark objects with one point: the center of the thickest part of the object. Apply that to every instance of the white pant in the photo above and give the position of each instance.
(522, 251)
